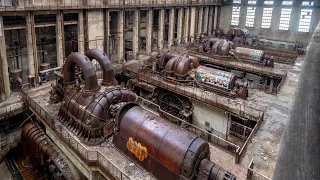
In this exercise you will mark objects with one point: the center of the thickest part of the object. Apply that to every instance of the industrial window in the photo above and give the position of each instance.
(287, 3)
(252, 2)
(250, 16)
(268, 2)
(235, 16)
(307, 3)
(266, 18)
(236, 1)
(305, 20)
(285, 19)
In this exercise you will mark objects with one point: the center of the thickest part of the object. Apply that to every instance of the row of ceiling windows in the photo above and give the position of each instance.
(304, 22)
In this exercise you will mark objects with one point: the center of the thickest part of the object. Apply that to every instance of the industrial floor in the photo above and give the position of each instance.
(266, 143)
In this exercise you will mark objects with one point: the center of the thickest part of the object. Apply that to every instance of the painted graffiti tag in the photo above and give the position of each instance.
(137, 149)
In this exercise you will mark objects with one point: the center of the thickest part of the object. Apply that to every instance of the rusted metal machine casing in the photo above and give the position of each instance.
(215, 77)
(106, 66)
(184, 68)
(220, 46)
(88, 116)
(90, 77)
(162, 61)
(36, 142)
(239, 32)
(211, 171)
(252, 54)
(86, 110)
(277, 44)
(160, 146)
(180, 66)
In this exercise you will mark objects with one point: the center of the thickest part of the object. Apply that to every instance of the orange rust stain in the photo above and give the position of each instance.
(137, 149)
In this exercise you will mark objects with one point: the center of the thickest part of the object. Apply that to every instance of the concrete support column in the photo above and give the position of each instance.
(205, 21)
(95, 29)
(32, 47)
(242, 18)
(200, 20)
(193, 23)
(4, 74)
(121, 35)
(60, 39)
(275, 21)
(107, 33)
(180, 21)
(215, 21)
(294, 21)
(210, 20)
(136, 33)
(149, 30)
(187, 24)
(161, 28)
(80, 33)
(258, 17)
(171, 28)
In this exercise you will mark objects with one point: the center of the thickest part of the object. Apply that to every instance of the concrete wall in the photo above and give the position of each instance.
(292, 35)
(217, 118)
(96, 29)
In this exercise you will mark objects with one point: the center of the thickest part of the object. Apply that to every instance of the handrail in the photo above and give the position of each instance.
(186, 124)
(254, 175)
(245, 145)
(178, 87)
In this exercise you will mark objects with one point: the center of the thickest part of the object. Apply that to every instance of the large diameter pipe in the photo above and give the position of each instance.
(90, 77)
(35, 141)
(105, 63)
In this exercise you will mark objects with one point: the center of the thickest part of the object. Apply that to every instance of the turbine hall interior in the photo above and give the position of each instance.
(167, 90)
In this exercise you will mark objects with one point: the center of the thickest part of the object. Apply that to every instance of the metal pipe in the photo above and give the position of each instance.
(105, 63)
(36, 142)
(90, 77)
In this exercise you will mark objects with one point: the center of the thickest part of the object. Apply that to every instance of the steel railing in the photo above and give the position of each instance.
(243, 149)
(236, 150)
(192, 91)
(211, 138)
(254, 175)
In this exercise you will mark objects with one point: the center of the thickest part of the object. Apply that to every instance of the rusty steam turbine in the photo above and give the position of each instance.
(95, 110)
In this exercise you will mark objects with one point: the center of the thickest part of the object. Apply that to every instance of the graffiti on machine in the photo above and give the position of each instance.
(137, 149)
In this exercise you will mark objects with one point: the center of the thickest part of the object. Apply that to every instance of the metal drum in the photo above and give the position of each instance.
(215, 77)
(161, 147)
(251, 54)
(44, 66)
